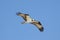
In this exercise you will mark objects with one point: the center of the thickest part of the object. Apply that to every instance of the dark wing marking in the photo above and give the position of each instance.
(23, 15)
(39, 25)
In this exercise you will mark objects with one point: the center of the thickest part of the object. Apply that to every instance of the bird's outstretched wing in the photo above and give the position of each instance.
(25, 16)
(38, 25)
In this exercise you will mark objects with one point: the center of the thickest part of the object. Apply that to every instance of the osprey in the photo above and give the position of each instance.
(28, 19)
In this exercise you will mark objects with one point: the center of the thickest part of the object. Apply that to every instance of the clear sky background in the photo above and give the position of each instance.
(45, 11)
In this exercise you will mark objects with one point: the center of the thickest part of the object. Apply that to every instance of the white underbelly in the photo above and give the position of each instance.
(29, 20)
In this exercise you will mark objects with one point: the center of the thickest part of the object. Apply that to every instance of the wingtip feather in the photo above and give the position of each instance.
(41, 29)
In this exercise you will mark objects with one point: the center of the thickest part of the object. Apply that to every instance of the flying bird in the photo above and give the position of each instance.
(28, 19)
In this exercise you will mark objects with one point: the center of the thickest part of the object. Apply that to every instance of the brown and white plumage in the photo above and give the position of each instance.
(39, 25)
(28, 19)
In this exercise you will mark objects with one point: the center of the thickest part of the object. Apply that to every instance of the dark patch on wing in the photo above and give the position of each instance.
(41, 29)
(24, 15)
(27, 14)
(39, 23)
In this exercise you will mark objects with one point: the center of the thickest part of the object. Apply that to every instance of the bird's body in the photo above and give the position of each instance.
(28, 19)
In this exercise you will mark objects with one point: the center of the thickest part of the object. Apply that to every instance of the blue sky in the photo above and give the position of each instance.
(45, 11)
